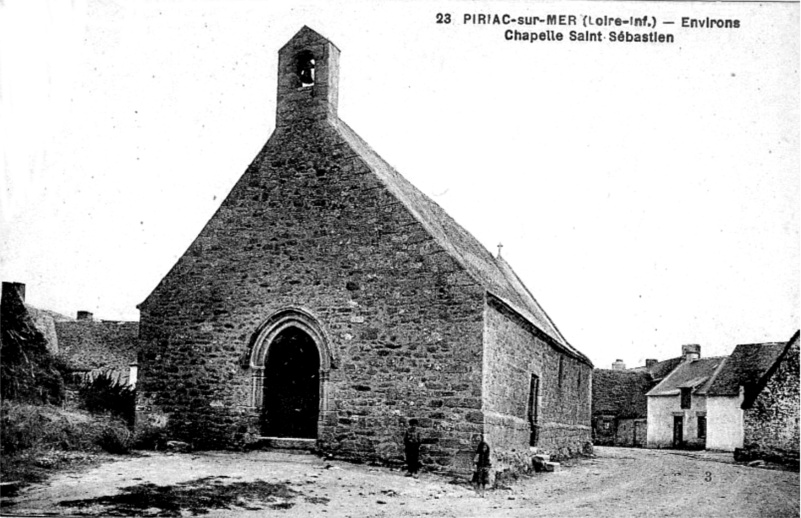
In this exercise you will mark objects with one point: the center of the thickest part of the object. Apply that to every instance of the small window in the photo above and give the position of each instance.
(561, 370)
(702, 427)
(686, 397)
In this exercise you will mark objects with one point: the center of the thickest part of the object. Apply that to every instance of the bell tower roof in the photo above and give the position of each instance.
(308, 79)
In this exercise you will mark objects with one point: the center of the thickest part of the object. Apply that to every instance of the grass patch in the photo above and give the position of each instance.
(36, 441)
(196, 497)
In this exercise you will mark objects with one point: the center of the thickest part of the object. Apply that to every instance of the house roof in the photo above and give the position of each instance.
(620, 393)
(791, 347)
(661, 369)
(494, 274)
(57, 317)
(89, 345)
(695, 374)
(745, 366)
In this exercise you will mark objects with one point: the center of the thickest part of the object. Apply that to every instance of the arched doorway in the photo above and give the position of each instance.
(291, 386)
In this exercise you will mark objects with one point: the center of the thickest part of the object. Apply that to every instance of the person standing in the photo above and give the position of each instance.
(483, 466)
(411, 443)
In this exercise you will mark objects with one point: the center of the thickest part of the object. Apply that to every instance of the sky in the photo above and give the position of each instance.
(647, 194)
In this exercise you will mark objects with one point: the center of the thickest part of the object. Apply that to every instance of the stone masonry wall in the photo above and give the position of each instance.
(308, 225)
(771, 424)
(514, 351)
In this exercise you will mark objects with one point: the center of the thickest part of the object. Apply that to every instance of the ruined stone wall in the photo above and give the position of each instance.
(309, 226)
(604, 430)
(771, 424)
(514, 350)
(631, 432)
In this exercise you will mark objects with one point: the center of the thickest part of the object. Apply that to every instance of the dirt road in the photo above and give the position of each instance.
(619, 482)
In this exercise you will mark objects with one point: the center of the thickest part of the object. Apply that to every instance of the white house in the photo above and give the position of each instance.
(736, 378)
(677, 406)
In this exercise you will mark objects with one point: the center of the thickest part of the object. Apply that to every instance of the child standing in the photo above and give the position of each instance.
(483, 466)
(411, 443)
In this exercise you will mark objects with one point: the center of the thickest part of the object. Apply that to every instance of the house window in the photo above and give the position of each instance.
(686, 397)
(702, 427)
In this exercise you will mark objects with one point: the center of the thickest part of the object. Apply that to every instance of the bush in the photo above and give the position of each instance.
(115, 438)
(104, 395)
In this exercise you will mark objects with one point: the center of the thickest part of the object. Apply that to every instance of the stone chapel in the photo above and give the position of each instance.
(328, 301)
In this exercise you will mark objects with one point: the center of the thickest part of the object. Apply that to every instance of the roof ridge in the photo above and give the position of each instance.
(517, 277)
(714, 375)
(458, 242)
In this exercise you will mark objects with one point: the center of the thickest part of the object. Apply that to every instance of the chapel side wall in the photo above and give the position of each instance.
(771, 424)
(512, 353)
(310, 226)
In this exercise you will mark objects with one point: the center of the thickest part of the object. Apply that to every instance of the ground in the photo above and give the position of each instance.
(617, 481)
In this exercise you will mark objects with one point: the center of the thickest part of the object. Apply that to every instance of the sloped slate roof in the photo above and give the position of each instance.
(494, 274)
(791, 347)
(620, 393)
(88, 346)
(661, 369)
(745, 366)
(695, 374)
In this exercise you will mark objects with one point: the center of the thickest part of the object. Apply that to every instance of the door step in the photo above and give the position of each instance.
(293, 444)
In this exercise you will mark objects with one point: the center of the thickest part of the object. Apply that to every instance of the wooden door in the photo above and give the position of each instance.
(678, 431)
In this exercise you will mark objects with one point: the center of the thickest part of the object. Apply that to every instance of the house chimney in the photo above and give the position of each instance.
(650, 362)
(619, 365)
(9, 287)
(85, 315)
(691, 352)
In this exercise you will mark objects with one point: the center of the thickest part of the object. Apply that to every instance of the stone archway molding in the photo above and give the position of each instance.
(265, 334)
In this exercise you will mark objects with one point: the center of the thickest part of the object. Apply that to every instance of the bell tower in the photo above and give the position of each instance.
(308, 79)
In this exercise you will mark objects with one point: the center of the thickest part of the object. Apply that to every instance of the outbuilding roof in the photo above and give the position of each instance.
(89, 345)
(747, 363)
(791, 347)
(620, 393)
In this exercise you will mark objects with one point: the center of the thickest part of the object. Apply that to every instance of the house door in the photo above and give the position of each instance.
(678, 431)
(291, 386)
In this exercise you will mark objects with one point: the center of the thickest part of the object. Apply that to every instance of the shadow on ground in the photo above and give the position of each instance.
(195, 496)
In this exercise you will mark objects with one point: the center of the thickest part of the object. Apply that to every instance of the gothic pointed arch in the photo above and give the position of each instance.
(266, 333)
